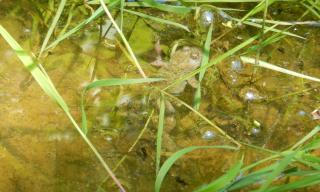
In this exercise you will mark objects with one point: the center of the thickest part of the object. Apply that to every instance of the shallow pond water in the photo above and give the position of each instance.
(41, 151)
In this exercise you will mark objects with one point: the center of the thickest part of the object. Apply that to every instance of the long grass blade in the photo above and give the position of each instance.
(307, 137)
(282, 164)
(52, 26)
(48, 87)
(95, 15)
(204, 118)
(177, 155)
(169, 8)
(266, 65)
(160, 132)
(136, 62)
(223, 180)
(157, 19)
(204, 61)
(301, 183)
(258, 8)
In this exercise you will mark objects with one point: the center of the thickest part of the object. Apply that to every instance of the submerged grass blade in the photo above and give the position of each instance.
(160, 132)
(204, 61)
(107, 83)
(260, 7)
(95, 15)
(126, 43)
(301, 183)
(177, 155)
(307, 137)
(52, 26)
(169, 8)
(204, 118)
(47, 85)
(157, 19)
(264, 64)
(223, 180)
(282, 164)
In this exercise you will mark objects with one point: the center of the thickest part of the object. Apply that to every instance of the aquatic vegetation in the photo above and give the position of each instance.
(250, 124)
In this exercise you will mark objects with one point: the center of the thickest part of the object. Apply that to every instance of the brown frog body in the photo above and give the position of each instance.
(181, 63)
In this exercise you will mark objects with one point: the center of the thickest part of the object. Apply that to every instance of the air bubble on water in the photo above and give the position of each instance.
(250, 96)
(301, 113)
(236, 65)
(207, 18)
(124, 100)
(255, 131)
(208, 135)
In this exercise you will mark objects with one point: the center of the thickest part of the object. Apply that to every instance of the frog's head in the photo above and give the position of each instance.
(194, 55)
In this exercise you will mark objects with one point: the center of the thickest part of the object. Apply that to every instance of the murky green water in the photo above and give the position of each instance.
(41, 151)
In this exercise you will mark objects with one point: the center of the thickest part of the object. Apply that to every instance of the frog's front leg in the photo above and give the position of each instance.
(193, 82)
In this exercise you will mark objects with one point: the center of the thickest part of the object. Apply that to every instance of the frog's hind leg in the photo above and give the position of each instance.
(193, 82)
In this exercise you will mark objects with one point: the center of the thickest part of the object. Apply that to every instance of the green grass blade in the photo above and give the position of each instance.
(116, 81)
(157, 19)
(107, 83)
(204, 61)
(121, 13)
(274, 30)
(260, 7)
(301, 183)
(177, 155)
(307, 137)
(126, 43)
(264, 64)
(95, 15)
(168, 8)
(250, 179)
(52, 26)
(282, 164)
(160, 132)
(48, 87)
(223, 180)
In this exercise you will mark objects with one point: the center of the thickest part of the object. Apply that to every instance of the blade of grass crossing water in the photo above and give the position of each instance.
(301, 183)
(107, 83)
(126, 43)
(223, 180)
(168, 8)
(47, 85)
(157, 19)
(307, 137)
(121, 13)
(260, 7)
(264, 64)
(177, 155)
(204, 61)
(52, 26)
(160, 132)
(282, 164)
(95, 15)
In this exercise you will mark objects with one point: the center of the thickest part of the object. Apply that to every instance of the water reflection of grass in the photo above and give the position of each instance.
(269, 174)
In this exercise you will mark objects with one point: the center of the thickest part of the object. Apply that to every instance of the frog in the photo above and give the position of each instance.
(181, 62)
